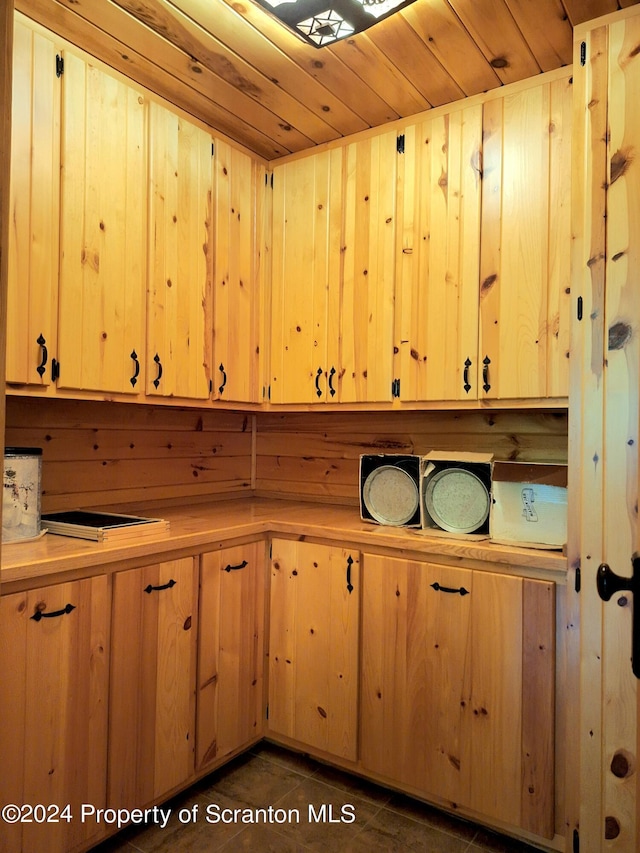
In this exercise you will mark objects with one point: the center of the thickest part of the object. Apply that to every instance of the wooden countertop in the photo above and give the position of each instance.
(207, 526)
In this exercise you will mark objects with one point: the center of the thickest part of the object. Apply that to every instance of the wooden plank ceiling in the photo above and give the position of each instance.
(230, 64)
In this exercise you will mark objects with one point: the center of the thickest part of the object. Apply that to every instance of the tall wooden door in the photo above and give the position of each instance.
(103, 231)
(313, 645)
(603, 525)
(34, 203)
(180, 240)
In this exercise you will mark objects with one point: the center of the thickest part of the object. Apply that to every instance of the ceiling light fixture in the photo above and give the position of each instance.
(322, 22)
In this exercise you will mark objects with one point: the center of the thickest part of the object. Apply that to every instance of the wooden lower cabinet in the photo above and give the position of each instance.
(314, 645)
(230, 700)
(153, 679)
(458, 682)
(53, 737)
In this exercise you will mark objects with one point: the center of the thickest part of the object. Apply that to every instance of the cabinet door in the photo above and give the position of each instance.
(238, 236)
(180, 241)
(103, 239)
(313, 645)
(446, 706)
(415, 675)
(438, 258)
(364, 372)
(306, 269)
(153, 681)
(54, 674)
(34, 207)
(230, 651)
(526, 239)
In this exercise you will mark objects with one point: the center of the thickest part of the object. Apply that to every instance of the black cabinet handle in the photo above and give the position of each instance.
(224, 378)
(149, 589)
(332, 373)
(460, 591)
(40, 614)
(156, 381)
(349, 564)
(467, 365)
(608, 583)
(486, 361)
(45, 355)
(318, 375)
(236, 568)
(136, 372)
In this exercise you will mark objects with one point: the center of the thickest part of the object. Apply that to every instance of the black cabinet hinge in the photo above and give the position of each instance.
(576, 841)
(210, 386)
(578, 580)
(579, 308)
(213, 149)
(583, 53)
(59, 65)
(400, 143)
(395, 388)
(268, 179)
(55, 369)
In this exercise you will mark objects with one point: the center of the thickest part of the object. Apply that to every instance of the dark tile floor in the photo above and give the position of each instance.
(289, 783)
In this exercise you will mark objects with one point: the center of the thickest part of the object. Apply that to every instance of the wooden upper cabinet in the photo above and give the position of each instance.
(333, 274)
(314, 645)
(230, 696)
(306, 269)
(465, 658)
(103, 231)
(238, 237)
(54, 670)
(438, 257)
(180, 242)
(153, 682)
(34, 207)
(366, 303)
(526, 238)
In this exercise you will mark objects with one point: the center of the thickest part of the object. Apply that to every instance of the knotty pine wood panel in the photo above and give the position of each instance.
(103, 222)
(585, 530)
(54, 732)
(438, 256)
(621, 425)
(6, 52)
(97, 455)
(415, 651)
(313, 645)
(230, 650)
(152, 678)
(179, 298)
(316, 455)
(235, 67)
(34, 202)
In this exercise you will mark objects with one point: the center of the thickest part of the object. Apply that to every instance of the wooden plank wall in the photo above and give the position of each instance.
(315, 455)
(99, 454)
(111, 454)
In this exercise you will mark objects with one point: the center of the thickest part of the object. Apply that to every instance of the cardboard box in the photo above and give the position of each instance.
(436, 461)
(529, 506)
(390, 489)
